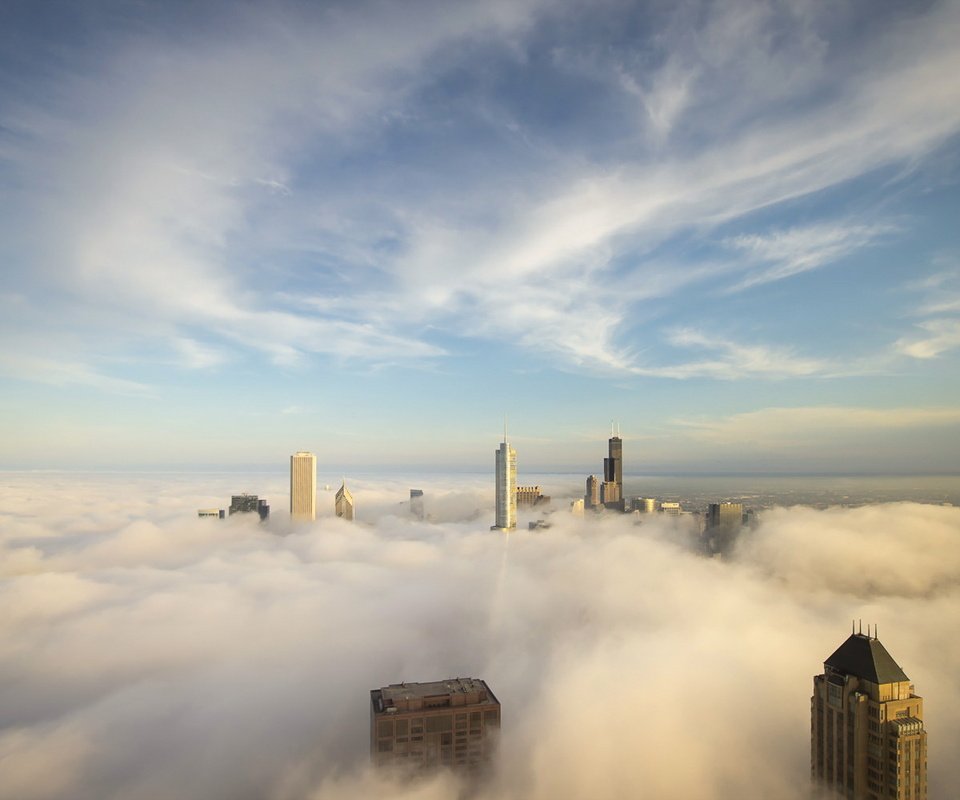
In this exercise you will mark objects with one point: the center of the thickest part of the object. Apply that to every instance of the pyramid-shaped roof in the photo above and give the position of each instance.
(866, 658)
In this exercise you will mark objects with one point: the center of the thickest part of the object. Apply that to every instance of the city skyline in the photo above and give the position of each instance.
(550, 618)
(731, 229)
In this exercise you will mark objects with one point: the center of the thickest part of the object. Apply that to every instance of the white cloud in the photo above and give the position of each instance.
(732, 360)
(790, 252)
(812, 426)
(940, 336)
(187, 637)
(67, 373)
(167, 163)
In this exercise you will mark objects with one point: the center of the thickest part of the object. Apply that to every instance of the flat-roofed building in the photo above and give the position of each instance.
(210, 513)
(249, 504)
(530, 496)
(419, 726)
(416, 503)
(725, 515)
(671, 509)
(303, 486)
(645, 505)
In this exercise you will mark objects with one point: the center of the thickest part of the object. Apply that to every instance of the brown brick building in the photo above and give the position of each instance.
(452, 723)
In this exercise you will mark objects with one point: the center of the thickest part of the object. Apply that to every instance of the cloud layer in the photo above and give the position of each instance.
(148, 654)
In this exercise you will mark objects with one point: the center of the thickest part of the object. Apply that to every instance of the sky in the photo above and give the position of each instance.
(147, 654)
(231, 231)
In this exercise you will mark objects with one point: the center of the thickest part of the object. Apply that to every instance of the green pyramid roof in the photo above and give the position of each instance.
(866, 658)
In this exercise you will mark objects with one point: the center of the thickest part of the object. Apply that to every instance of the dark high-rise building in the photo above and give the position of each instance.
(416, 503)
(613, 463)
(867, 740)
(450, 723)
(249, 504)
(612, 496)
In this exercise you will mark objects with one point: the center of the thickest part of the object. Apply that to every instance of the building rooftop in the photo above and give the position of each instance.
(864, 657)
(433, 694)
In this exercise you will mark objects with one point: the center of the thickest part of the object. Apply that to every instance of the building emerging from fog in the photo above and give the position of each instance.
(531, 496)
(591, 498)
(303, 486)
(725, 515)
(343, 502)
(416, 503)
(211, 513)
(611, 492)
(506, 498)
(867, 738)
(249, 504)
(450, 723)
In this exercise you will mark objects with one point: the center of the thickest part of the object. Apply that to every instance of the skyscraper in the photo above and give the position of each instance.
(867, 740)
(343, 502)
(303, 486)
(725, 515)
(506, 469)
(612, 492)
(591, 498)
(452, 723)
(416, 503)
(248, 504)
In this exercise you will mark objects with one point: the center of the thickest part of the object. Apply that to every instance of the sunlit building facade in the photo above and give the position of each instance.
(867, 740)
(451, 723)
(591, 498)
(725, 515)
(506, 490)
(303, 486)
(343, 503)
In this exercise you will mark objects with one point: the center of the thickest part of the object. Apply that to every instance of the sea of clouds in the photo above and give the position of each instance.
(145, 653)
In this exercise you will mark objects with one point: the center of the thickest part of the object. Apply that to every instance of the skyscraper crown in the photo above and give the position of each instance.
(864, 657)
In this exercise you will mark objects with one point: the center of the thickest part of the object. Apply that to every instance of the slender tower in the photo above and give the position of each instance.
(867, 738)
(506, 467)
(612, 490)
(303, 486)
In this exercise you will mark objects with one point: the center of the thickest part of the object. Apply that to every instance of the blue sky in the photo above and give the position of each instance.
(231, 231)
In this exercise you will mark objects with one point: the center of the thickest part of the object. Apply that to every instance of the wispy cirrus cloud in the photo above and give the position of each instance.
(781, 254)
(337, 159)
(939, 333)
(808, 426)
(732, 360)
(56, 372)
(938, 336)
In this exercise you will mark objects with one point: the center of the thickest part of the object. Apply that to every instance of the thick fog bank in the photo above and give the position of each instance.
(148, 654)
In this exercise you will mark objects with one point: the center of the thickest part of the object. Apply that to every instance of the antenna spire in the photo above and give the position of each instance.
(504, 427)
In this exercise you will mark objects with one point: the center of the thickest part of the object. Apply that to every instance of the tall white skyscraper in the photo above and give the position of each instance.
(506, 465)
(303, 486)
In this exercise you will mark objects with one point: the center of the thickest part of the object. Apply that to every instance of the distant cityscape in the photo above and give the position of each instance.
(715, 521)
